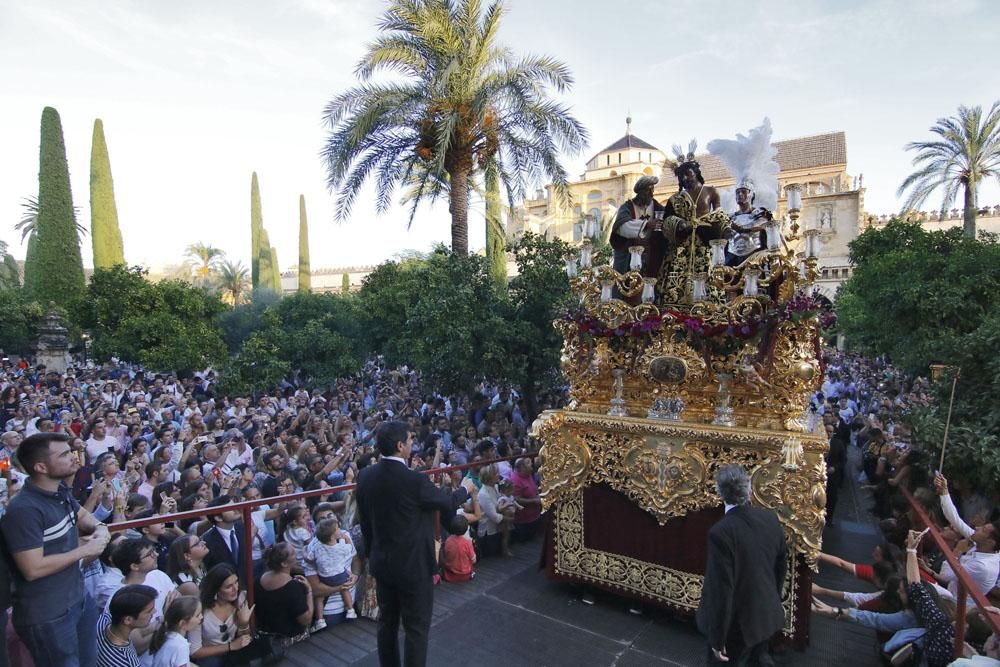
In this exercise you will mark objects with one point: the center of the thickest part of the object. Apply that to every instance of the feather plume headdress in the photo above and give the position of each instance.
(679, 155)
(750, 160)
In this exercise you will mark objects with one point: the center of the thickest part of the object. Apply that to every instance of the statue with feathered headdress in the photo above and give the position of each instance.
(750, 160)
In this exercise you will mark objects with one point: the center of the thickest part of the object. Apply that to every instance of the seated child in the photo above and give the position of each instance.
(507, 506)
(459, 554)
(331, 553)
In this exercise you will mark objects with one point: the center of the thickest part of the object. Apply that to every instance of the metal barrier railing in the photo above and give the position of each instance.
(247, 506)
(966, 586)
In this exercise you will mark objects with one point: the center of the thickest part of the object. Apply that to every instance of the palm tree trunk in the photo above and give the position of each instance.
(969, 225)
(459, 195)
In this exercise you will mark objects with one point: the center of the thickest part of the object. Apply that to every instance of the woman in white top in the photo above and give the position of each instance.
(224, 637)
(491, 522)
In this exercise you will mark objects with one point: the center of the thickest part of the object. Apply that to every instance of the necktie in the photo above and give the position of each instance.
(232, 542)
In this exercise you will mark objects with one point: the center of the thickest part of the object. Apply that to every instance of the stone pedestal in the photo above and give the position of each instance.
(52, 347)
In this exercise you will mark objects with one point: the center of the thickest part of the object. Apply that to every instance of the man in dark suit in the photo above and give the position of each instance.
(740, 605)
(396, 509)
(225, 538)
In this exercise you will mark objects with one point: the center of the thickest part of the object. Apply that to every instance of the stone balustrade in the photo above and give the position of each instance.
(932, 216)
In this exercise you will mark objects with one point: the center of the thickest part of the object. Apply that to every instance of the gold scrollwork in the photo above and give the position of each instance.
(676, 588)
(668, 469)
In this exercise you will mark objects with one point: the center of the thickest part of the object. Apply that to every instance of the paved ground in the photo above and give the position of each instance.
(512, 616)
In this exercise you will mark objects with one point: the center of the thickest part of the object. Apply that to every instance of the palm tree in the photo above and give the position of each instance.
(464, 100)
(205, 259)
(234, 282)
(966, 154)
(30, 216)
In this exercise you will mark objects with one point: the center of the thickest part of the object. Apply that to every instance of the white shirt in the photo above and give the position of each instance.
(175, 652)
(983, 568)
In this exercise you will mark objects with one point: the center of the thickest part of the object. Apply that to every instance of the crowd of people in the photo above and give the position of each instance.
(910, 591)
(83, 450)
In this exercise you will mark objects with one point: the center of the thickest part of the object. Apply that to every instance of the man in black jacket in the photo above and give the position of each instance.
(740, 605)
(396, 508)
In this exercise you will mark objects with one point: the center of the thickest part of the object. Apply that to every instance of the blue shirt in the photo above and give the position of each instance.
(37, 518)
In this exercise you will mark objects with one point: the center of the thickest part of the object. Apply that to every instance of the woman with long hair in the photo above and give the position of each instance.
(185, 563)
(224, 637)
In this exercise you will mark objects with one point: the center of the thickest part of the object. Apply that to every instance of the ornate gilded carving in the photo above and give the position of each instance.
(668, 468)
(675, 588)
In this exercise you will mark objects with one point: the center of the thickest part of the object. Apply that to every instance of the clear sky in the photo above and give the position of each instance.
(197, 95)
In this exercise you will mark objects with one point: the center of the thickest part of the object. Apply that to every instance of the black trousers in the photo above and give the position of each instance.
(411, 603)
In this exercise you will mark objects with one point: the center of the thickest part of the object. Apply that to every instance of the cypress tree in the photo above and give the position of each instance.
(305, 276)
(275, 271)
(256, 232)
(345, 284)
(57, 271)
(496, 247)
(264, 261)
(104, 231)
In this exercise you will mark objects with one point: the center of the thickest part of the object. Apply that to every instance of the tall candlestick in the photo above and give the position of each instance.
(586, 254)
(635, 259)
(698, 291)
(773, 231)
(570, 260)
(794, 194)
(606, 287)
(648, 290)
(718, 252)
(750, 277)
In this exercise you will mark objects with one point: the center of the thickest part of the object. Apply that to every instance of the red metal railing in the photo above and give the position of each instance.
(966, 586)
(247, 506)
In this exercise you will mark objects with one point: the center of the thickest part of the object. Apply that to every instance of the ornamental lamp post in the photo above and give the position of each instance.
(793, 193)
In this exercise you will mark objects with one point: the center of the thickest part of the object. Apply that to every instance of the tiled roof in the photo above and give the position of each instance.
(626, 142)
(816, 151)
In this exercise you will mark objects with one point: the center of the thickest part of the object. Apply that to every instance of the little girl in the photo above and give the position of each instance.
(170, 647)
(330, 553)
(297, 531)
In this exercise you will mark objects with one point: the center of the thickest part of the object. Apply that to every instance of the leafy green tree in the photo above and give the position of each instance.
(464, 100)
(237, 324)
(168, 325)
(440, 314)
(234, 282)
(205, 259)
(324, 337)
(105, 233)
(256, 231)
(56, 271)
(258, 365)
(965, 155)
(305, 273)
(21, 318)
(537, 295)
(928, 297)
(10, 276)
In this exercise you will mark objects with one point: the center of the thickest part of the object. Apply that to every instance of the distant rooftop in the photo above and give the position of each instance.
(627, 142)
(819, 150)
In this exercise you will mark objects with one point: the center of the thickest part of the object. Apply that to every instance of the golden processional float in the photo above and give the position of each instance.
(672, 376)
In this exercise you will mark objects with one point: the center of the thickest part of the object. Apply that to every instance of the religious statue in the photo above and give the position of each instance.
(750, 160)
(748, 235)
(692, 219)
(637, 224)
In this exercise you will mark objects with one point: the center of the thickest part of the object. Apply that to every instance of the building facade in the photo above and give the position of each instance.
(832, 200)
